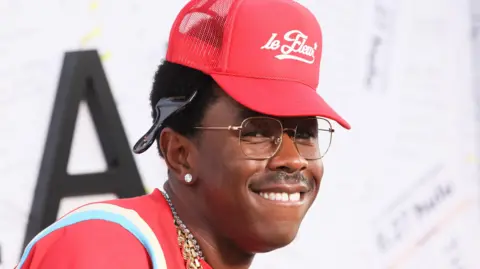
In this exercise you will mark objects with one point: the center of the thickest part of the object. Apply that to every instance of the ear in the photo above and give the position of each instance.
(176, 150)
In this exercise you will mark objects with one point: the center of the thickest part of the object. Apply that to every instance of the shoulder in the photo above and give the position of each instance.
(106, 232)
(90, 244)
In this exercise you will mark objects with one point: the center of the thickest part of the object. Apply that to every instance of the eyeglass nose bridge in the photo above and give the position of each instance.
(288, 130)
(279, 140)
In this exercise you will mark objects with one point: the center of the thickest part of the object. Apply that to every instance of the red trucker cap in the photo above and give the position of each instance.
(265, 54)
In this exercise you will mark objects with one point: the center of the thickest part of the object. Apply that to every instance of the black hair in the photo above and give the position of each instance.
(175, 80)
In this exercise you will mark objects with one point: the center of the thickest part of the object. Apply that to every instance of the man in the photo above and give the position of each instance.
(242, 131)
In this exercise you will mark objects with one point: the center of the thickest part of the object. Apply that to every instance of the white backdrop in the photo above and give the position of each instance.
(400, 189)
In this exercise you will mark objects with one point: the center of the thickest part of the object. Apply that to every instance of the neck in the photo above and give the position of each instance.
(219, 252)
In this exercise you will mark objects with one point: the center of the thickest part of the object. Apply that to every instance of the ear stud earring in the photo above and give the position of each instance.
(188, 178)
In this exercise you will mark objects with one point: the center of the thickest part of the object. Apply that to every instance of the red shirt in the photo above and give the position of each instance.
(94, 242)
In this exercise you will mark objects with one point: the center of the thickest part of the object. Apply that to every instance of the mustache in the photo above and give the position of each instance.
(282, 177)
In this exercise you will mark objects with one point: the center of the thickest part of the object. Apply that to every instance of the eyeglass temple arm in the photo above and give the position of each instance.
(331, 130)
(233, 128)
(163, 109)
(236, 128)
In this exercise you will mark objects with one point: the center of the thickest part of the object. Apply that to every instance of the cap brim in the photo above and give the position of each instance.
(277, 98)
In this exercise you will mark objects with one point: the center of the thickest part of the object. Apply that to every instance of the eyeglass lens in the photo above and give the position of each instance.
(260, 137)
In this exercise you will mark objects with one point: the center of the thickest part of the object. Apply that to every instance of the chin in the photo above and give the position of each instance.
(272, 239)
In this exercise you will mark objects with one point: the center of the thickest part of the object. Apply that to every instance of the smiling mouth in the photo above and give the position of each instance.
(282, 193)
(281, 196)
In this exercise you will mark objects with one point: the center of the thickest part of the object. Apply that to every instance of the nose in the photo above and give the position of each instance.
(287, 158)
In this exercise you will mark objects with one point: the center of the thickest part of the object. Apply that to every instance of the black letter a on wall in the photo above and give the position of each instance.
(82, 78)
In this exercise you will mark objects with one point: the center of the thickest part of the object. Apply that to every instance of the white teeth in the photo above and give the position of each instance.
(294, 197)
(281, 196)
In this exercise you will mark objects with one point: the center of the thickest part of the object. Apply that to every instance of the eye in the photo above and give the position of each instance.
(253, 134)
(256, 138)
(306, 138)
(306, 134)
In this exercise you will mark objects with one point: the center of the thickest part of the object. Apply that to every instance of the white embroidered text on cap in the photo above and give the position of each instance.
(297, 44)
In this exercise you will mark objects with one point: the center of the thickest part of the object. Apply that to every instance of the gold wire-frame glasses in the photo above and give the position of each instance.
(271, 132)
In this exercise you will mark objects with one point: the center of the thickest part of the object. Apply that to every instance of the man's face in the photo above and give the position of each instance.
(237, 190)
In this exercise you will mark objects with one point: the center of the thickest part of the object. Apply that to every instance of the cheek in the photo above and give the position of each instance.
(223, 167)
(219, 160)
(316, 169)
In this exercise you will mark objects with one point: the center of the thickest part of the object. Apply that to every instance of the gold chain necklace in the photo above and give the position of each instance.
(191, 252)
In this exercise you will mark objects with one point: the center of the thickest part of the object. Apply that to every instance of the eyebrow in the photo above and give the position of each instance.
(247, 113)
